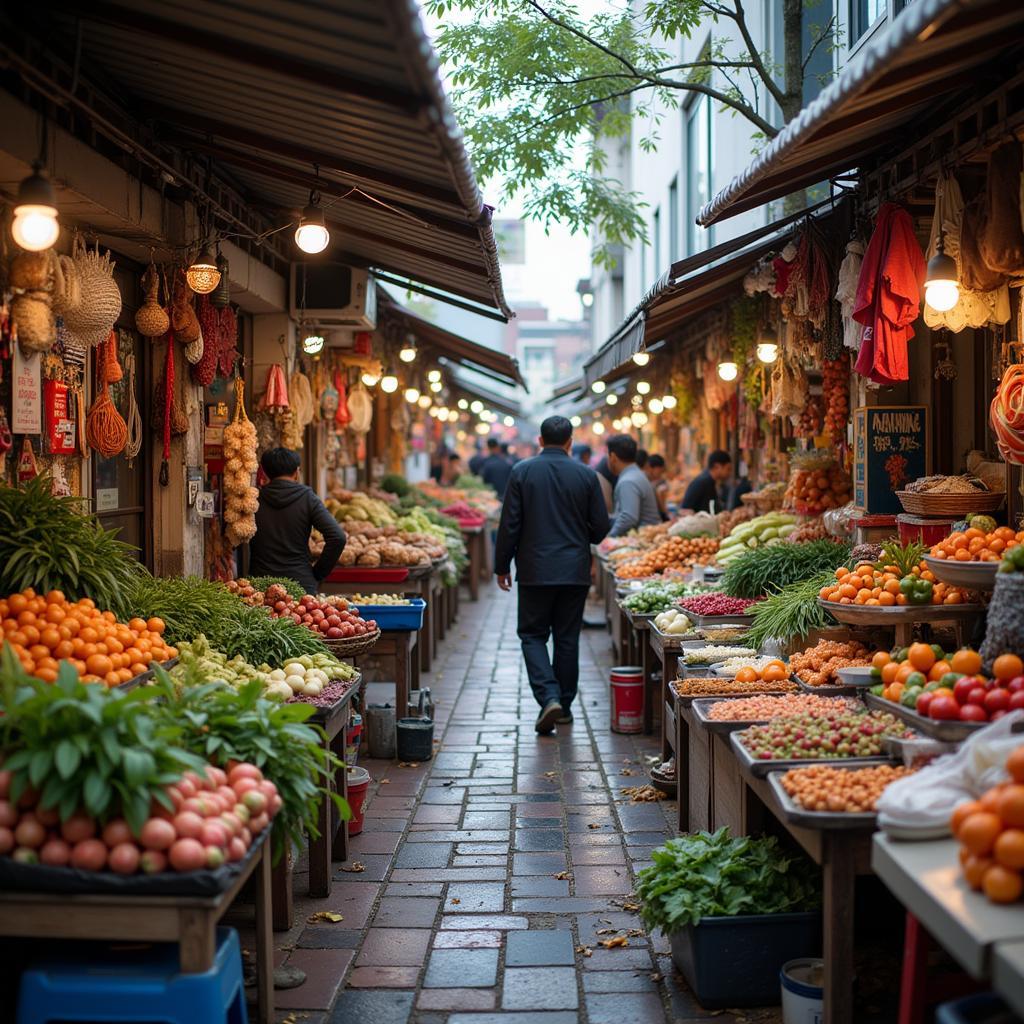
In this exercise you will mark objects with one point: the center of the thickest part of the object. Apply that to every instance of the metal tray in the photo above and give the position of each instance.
(972, 575)
(828, 691)
(687, 699)
(711, 664)
(759, 769)
(702, 705)
(861, 615)
(720, 620)
(818, 819)
(948, 732)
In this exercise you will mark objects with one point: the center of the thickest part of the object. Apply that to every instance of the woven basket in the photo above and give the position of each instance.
(151, 318)
(350, 646)
(97, 312)
(33, 316)
(949, 504)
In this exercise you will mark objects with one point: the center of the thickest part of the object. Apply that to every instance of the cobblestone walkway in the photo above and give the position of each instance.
(490, 876)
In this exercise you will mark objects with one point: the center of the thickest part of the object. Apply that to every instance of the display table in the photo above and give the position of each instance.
(666, 651)
(1008, 972)
(476, 547)
(640, 653)
(400, 645)
(189, 921)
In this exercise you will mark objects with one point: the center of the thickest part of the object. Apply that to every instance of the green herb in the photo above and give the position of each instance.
(764, 569)
(51, 543)
(714, 875)
(791, 612)
(261, 583)
(905, 557)
(659, 597)
(188, 605)
(260, 639)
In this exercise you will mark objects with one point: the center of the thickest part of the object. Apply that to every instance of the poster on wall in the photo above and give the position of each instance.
(26, 393)
(890, 449)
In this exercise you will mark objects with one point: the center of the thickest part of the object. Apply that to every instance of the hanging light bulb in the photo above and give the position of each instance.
(636, 401)
(369, 378)
(433, 375)
(728, 370)
(436, 386)
(612, 398)
(412, 395)
(767, 351)
(655, 406)
(423, 401)
(442, 413)
(312, 343)
(220, 297)
(476, 406)
(941, 288)
(482, 428)
(643, 387)
(463, 404)
(576, 421)
(389, 382)
(598, 387)
(509, 421)
(638, 418)
(641, 357)
(598, 428)
(408, 350)
(202, 273)
(434, 410)
(35, 225)
(669, 401)
(312, 235)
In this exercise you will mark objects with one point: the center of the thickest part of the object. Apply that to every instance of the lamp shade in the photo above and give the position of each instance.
(202, 274)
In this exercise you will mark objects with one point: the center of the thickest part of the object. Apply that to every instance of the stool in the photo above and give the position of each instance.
(918, 990)
(135, 985)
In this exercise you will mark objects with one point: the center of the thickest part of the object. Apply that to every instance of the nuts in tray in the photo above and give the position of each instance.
(729, 687)
(840, 790)
(763, 707)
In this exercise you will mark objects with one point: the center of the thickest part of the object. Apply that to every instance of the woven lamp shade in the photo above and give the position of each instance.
(203, 274)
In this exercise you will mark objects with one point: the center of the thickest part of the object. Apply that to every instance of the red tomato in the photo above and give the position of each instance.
(962, 689)
(973, 713)
(1017, 700)
(944, 709)
(1016, 684)
(977, 696)
(997, 700)
(923, 703)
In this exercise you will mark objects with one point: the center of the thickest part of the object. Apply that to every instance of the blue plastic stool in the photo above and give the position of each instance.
(136, 986)
(983, 1008)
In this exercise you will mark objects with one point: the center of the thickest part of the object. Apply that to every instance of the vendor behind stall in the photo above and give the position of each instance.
(288, 512)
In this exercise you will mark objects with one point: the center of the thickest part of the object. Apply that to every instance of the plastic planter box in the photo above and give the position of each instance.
(406, 617)
(735, 961)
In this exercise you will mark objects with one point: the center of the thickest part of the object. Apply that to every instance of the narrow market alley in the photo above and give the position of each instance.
(485, 881)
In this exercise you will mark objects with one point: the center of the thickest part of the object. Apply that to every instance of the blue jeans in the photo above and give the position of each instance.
(552, 611)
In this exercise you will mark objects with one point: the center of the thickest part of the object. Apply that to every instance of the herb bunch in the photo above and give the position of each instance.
(772, 567)
(791, 612)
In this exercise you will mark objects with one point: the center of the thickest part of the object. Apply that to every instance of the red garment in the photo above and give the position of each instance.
(888, 296)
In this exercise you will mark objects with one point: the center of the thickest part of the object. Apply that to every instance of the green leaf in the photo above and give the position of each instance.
(139, 765)
(96, 793)
(39, 767)
(67, 758)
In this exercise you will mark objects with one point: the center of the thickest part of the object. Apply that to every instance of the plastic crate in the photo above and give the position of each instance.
(396, 617)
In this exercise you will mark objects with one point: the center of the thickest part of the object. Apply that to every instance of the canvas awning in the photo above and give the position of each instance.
(907, 79)
(341, 97)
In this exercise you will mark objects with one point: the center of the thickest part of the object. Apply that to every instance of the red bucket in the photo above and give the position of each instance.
(627, 703)
(358, 782)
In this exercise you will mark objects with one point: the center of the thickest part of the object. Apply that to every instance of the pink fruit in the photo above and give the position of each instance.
(236, 849)
(187, 787)
(241, 812)
(28, 799)
(213, 834)
(116, 832)
(232, 823)
(89, 855)
(214, 857)
(5, 783)
(176, 796)
(188, 825)
(259, 823)
(158, 834)
(276, 803)
(244, 771)
(187, 855)
(23, 855)
(6, 840)
(255, 801)
(219, 776)
(47, 816)
(77, 828)
(8, 814)
(55, 852)
(246, 836)
(245, 785)
(153, 862)
(124, 859)
(225, 792)
(268, 789)
(30, 832)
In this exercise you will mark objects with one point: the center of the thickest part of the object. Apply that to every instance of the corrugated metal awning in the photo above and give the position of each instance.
(284, 97)
(934, 52)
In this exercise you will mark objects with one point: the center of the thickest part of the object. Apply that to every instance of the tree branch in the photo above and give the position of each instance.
(580, 34)
(579, 106)
(739, 15)
(826, 33)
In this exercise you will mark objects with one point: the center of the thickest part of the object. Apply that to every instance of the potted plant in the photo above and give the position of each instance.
(735, 910)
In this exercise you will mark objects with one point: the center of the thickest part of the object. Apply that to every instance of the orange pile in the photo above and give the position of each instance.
(675, 552)
(774, 672)
(974, 545)
(43, 631)
(991, 836)
(869, 585)
(922, 659)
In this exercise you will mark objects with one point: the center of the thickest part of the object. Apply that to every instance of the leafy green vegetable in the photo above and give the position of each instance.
(715, 875)
(659, 597)
(764, 569)
(791, 612)
(260, 639)
(188, 605)
(394, 483)
(51, 543)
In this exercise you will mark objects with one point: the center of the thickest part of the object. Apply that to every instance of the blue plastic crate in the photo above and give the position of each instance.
(396, 617)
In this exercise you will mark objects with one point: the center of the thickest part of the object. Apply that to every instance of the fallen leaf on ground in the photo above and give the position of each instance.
(355, 867)
(385, 782)
(592, 825)
(635, 933)
(562, 876)
(550, 775)
(616, 943)
(454, 900)
(584, 951)
(606, 931)
(656, 976)
(645, 794)
(408, 764)
(627, 771)
(330, 916)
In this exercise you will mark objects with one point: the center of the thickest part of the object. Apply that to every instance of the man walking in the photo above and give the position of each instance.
(635, 501)
(553, 512)
(495, 469)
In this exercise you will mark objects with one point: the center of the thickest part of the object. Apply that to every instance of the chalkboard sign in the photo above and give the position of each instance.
(890, 449)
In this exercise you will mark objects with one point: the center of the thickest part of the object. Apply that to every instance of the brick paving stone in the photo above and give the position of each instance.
(478, 860)
(637, 1008)
(539, 948)
(461, 968)
(374, 842)
(439, 795)
(530, 1017)
(622, 958)
(457, 999)
(324, 970)
(538, 822)
(402, 912)
(485, 922)
(618, 981)
(423, 855)
(533, 840)
(539, 988)
(538, 863)
(438, 814)
(329, 937)
(569, 905)
(468, 940)
(383, 977)
(485, 819)
(372, 1007)
(602, 881)
(401, 947)
(433, 835)
(597, 855)
(448, 875)
(475, 898)
(493, 849)
(414, 889)
(375, 867)
(539, 885)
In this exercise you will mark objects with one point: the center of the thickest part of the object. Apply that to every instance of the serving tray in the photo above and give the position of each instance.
(947, 731)
(799, 815)
(759, 769)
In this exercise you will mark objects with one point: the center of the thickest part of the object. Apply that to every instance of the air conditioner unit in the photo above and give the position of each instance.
(333, 295)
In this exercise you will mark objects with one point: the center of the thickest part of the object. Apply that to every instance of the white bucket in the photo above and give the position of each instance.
(803, 995)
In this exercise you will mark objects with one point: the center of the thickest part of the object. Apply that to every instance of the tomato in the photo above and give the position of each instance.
(973, 713)
(924, 703)
(1017, 700)
(962, 689)
(1016, 684)
(977, 696)
(997, 700)
(943, 708)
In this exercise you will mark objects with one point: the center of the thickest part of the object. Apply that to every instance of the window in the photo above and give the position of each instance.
(863, 14)
(673, 221)
(656, 243)
(699, 170)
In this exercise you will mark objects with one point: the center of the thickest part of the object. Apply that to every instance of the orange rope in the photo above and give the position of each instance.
(105, 428)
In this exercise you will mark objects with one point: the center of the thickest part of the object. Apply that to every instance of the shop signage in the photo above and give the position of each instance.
(59, 418)
(26, 394)
(890, 449)
(106, 499)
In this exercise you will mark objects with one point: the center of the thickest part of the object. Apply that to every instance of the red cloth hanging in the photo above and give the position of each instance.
(889, 296)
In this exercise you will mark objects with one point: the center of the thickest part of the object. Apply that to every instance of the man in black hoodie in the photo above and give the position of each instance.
(288, 512)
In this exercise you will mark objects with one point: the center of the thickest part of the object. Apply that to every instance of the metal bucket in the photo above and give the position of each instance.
(379, 727)
(415, 739)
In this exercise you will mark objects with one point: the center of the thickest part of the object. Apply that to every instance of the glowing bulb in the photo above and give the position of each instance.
(461, 435)
(412, 395)
(643, 387)
(669, 401)
(941, 290)
(482, 428)
(638, 418)
(389, 383)
(312, 235)
(35, 225)
(587, 298)
(612, 398)
(369, 378)
(636, 401)
(453, 416)
(436, 386)
(767, 351)
(641, 358)
(576, 421)
(312, 343)
(598, 428)
(442, 413)
(476, 406)
(655, 406)
(509, 421)
(463, 404)
(202, 274)
(435, 411)
(598, 387)
(423, 401)
(728, 370)
(408, 350)
(433, 375)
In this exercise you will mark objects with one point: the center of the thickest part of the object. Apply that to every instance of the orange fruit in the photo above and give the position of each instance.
(938, 670)
(17, 603)
(1015, 765)
(1005, 667)
(979, 831)
(889, 671)
(1001, 885)
(1009, 849)
(974, 869)
(921, 656)
(773, 673)
(99, 664)
(746, 675)
(905, 671)
(1010, 806)
(964, 810)
(155, 625)
(880, 659)
(989, 800)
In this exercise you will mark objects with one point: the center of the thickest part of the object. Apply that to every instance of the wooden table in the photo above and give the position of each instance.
(639, 628)
(399, 644)
(476, 547)
(667, 650)
(188, 921)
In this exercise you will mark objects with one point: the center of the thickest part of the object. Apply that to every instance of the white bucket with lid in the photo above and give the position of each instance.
(803, 993)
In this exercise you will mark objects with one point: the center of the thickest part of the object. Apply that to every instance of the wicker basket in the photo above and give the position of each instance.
(926, 504)
(350, 646)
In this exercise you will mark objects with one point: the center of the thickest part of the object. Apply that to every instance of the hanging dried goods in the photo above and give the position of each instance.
(151, 319)
(184, 321)
(93, 318)
(241, 499)
(1007, 414)
(105, 428)
(836, 394)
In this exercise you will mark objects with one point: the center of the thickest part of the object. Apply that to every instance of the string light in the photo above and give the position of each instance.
(638, 418)
(412, 395)
(35, 225)
(408, 350)
(476, 406)
(576, 421)
(641, 357)
(389, 382)
(509, 421)
(598, 387)
(656, 406)
(369, 378)
(598, 428)
(643, 387)
(669, 401)
(423, 401)
(482, 428)
(312, 236)
(462, 403)
(612, 398)
(767, 351)
(728, 370)
(436, 386)
(433, 375)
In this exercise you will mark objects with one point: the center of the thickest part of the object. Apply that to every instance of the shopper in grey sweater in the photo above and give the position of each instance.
(636, 504)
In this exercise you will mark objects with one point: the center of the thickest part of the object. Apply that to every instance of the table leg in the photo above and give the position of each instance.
(320, 847)
(838, 877)
(427, 632)
(682, 765)
(340, 844)
(647, 661)
(264, 941)
(403, 664)
(281, 889)
(476, 550)
(668, 672)
(198, 945)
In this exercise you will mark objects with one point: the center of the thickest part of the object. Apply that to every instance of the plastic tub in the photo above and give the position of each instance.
(803, 997)
(358, 782)
(983, 1008)
(396, 617)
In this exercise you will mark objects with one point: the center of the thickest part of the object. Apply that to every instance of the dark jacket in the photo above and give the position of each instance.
(495, 471)
(553, 512)
(288, 512)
